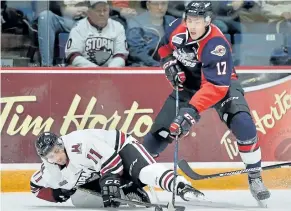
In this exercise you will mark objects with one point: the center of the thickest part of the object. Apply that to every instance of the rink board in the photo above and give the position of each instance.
(65, 99)
(19, 180)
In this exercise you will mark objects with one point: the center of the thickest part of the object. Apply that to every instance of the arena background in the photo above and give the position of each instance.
(65, 99)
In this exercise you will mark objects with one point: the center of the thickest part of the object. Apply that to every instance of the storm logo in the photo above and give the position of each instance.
(99, 49)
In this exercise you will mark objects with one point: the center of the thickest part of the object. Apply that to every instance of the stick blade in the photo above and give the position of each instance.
(184, 166)
(171, 207)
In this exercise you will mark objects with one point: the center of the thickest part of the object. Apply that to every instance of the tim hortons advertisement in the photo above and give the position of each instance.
(33, 102)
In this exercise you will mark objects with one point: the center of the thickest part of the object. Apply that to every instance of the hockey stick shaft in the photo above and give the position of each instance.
(184, 166)
(176, 148)
(137, 203)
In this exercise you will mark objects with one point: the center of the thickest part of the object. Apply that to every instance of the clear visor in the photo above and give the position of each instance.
(55, 154)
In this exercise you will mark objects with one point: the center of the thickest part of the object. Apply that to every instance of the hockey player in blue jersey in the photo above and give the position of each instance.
(197, 58)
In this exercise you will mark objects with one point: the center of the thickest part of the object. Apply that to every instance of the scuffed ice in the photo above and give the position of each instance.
(221, 200)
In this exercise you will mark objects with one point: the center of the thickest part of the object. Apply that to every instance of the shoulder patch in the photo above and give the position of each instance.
(177, 40)
(77, 148)
(219, 50)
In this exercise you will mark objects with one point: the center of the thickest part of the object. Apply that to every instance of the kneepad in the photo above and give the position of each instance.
(232, 104)
(243, 127)
(233, 111)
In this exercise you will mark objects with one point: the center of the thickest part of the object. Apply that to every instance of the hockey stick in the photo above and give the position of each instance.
(171, 205)
(184, 166)
(158, 207)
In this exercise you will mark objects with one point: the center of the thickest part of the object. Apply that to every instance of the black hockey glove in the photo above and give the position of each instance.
(109, 185)
(182, 123)
(175, 75)
(62, 195)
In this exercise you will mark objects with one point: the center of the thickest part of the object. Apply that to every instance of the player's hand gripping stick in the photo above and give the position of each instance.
(173, 72)
(183, 122)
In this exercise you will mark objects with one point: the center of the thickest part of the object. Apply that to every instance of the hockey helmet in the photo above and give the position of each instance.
(46, 142)
(199, 8)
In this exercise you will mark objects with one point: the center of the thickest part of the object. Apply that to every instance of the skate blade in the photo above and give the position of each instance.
(192, 197)
(263, 203)
(262, 199)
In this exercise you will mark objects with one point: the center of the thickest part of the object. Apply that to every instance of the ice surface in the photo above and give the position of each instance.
(221, 200)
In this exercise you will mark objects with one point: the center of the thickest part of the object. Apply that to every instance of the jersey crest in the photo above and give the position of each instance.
(99, 49)
(188, 59)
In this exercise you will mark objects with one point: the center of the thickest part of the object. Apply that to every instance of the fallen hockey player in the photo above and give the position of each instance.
(101, 161)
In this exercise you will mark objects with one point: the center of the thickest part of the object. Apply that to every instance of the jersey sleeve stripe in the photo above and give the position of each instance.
(34, 188)
(37, 174)
(120, 55)
(38, 179)
(72, 56)
(111, 163)
(117, 169)
(120, 140)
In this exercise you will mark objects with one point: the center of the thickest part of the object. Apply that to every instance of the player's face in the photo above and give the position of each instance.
(196, 26)
(157, 8)
(57, 155)
(99, 14)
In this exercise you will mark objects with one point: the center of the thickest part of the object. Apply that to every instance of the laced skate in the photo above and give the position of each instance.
(258, 189)
(134, 193)
(187, 192)
(139, 195)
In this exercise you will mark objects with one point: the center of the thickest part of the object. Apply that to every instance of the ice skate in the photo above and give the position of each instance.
(135, 193)
(187, 192)
(258, 189)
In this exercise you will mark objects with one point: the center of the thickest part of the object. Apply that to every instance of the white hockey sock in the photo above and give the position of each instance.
(250, 152)
(250, 158)
(159, 176)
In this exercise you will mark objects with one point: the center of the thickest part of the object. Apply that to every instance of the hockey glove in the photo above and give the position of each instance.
(62, 195)
(173, 72)
(110, 189)
(182, 123)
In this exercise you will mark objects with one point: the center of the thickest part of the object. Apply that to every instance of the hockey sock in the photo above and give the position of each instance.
(160, 176)
(244, 129)
(157, 175)
(154, 145)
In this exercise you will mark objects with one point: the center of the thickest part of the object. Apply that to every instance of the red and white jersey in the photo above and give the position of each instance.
(91, 154)
(96, 47)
